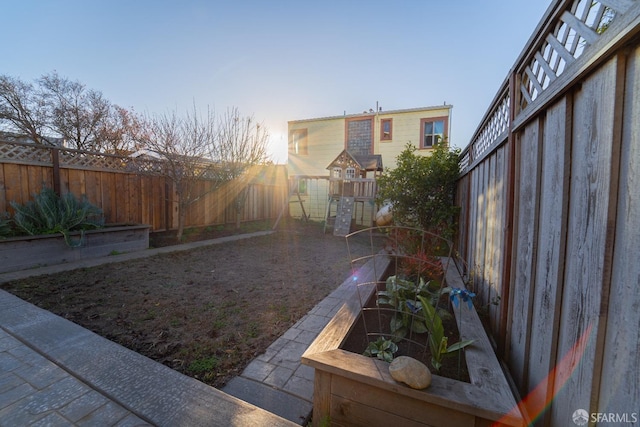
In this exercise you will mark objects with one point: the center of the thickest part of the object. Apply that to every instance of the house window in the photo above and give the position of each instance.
(432, 131)
(298, 142)
(350, 173)
(385, 129)
(337, 173)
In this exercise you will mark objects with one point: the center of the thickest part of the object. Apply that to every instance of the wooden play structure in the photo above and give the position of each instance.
(349, 187)
(341, 199)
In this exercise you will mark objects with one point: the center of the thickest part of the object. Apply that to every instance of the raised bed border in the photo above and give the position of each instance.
(358, 390)
(26, 252)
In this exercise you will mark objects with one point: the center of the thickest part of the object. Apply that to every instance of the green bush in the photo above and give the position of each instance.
(422, 189)
(49, 213)
(5, 225)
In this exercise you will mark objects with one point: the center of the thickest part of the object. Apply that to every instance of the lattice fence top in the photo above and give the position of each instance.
(25, 153)
(577, 28)
(497, 125)
(42, 155)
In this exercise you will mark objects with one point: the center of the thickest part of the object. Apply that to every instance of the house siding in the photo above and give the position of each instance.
(327, 137)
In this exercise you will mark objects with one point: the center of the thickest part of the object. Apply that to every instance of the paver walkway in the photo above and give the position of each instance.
(54, 372)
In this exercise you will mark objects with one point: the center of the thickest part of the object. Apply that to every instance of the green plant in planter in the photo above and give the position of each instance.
(5, 225)
(381, 348)
(438, 342)
(404, 296)
(49, 213)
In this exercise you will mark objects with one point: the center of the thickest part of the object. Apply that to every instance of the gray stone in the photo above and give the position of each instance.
(410, 371)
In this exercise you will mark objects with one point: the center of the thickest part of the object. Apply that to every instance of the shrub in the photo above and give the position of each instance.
(49, 213)
(421, 189)
(5, 225)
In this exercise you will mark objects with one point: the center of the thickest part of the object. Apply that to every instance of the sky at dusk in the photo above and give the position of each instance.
(275, 60)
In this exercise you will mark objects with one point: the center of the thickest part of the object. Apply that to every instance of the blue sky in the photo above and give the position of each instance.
(275, 60)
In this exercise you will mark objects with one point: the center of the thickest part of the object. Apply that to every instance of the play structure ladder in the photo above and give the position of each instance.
(342, 225)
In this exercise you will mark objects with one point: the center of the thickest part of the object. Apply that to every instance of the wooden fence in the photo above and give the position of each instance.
(550, 225)
(129, 191)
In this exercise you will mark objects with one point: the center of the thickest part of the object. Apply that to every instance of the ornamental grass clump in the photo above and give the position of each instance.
(5, 225)
(49, 213)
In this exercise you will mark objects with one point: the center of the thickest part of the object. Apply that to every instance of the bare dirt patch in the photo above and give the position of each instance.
(206, 312)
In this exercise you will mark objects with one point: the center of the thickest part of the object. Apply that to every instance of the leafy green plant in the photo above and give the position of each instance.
(403, 295)
(382, 349)
(438, 342)
(5, 225)
(49, 213)
(421, 189)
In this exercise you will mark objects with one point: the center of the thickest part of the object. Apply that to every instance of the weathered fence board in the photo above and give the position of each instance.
(525, 247)
(587, 227)
(547, 286)
(497, 244)
(622, 345)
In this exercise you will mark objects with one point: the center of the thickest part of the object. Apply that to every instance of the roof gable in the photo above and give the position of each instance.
(363, 162)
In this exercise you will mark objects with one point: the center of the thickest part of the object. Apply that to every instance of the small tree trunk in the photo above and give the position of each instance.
(182, 213)
(239, 204)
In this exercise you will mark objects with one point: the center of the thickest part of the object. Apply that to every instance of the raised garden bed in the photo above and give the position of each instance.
(21, 253)
(351, 389)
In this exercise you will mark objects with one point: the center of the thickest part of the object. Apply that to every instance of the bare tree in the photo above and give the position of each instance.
(23, 110)
(241, 142)
(57, 108)
(202, 149)
(184, 144)
(120, 131)
(77, 114)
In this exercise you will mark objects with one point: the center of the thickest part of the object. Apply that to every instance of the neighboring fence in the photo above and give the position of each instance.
(132, 190)
(551, 213)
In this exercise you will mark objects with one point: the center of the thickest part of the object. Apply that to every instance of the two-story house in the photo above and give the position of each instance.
(317, 150)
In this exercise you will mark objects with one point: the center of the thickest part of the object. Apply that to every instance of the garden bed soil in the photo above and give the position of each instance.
(378, 321)
(205, 312)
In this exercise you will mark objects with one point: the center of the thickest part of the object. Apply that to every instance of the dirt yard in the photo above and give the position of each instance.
(206, 312)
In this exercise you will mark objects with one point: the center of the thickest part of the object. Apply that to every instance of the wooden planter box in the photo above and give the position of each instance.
(351, 389)
(21, 253)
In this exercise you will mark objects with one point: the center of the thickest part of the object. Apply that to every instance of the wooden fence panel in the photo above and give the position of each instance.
(547, 285)
(525, 247)
(471, 228)
(497, 228)
(120, 197)
(130, 197)
(92, 189)
(621, 386)
(571, 212)
(38, 178)
(14, 190)
(480, 227)
(586, 240)
(462, 200)
(109, 196)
